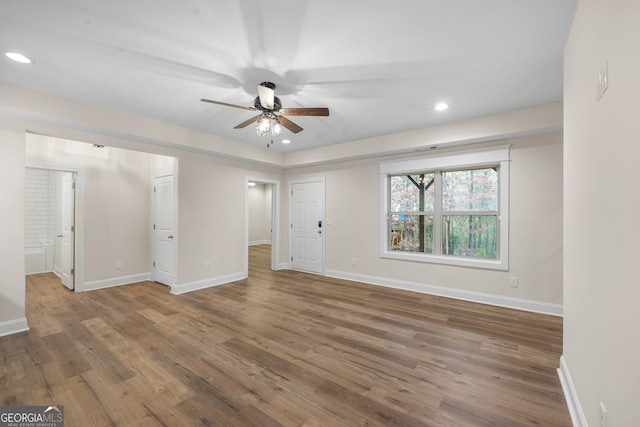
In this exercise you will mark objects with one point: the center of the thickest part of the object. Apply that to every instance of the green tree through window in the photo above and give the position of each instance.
(463, 217)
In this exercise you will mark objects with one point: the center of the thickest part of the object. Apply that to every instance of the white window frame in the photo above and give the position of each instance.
(469, 159)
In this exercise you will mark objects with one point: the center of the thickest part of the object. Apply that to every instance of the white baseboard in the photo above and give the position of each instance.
(206, 283)
(36, 272)
(461, 294)
(13, 326)
(284, 266)
(260, 242)
(115, 281)
(573, 404)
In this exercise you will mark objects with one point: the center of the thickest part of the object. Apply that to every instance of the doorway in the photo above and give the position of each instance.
(114, 190)
(307, 226)
(52, 223)
(262, 220)
(163, 230)
(66, 239)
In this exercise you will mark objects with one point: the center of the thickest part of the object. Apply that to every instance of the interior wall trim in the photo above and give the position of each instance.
(259, 242)
(13, 326)
(114, 281)
(206, 283)
(573, 403)
(461, 294)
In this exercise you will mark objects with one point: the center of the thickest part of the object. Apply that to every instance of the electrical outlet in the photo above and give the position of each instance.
(118, 264)
(603, 415)
(207, 266)
(513, 282)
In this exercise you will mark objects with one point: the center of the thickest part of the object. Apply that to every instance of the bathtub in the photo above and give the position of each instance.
(39, 259)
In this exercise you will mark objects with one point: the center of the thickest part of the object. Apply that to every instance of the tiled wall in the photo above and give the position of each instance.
(40, 207)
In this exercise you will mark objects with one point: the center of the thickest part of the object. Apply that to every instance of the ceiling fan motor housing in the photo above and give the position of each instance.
(276, 104)
(270, 85)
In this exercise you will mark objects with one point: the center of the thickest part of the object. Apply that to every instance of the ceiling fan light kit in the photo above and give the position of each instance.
(268, 122)
(271, 120)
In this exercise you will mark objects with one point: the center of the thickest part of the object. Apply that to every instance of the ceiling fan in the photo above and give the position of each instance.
(272, 116)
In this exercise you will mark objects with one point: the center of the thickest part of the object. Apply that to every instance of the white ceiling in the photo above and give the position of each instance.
(379, 66)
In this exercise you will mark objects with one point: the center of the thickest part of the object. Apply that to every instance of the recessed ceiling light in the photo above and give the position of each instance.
(286, 141)
(252, 184)
(442, 106)
(18, 57)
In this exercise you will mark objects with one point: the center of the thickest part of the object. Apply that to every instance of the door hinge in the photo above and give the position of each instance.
(291, 259)
(292, 192)
(154, 188)
(154, 263)
(73, 185)
(73, 228)
(73, 271)
(292, 226)
(154, 226)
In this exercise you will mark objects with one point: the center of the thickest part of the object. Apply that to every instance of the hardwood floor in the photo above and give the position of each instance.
(281, 348)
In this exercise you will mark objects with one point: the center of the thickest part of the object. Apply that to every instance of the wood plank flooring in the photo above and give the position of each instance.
(281, 349)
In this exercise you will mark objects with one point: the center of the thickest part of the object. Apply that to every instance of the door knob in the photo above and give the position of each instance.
(170, 237)
(60, 235)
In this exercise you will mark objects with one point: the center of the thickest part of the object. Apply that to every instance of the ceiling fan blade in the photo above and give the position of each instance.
(267, 96)
(228, 105)
(289, 124)
(248, 122)
(304, 111)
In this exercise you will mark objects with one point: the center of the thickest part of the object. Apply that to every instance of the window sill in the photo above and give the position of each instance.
(489, 264)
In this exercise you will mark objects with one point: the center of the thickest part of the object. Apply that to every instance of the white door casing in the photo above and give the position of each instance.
(307, 226)
(68, 230)
(163, 230)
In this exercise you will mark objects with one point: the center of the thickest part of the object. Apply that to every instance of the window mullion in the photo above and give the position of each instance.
(437, 214)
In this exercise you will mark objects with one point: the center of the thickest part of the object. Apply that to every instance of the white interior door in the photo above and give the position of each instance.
(68, 229)
(307, 226)
(163, 230)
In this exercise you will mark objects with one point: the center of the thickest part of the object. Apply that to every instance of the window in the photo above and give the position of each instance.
(449, 209)
(411, 212)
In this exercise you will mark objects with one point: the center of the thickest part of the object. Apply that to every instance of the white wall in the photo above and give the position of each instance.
(211, 224)
(12, 280)
(259, 205)
(352, 228)
(602, 211)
